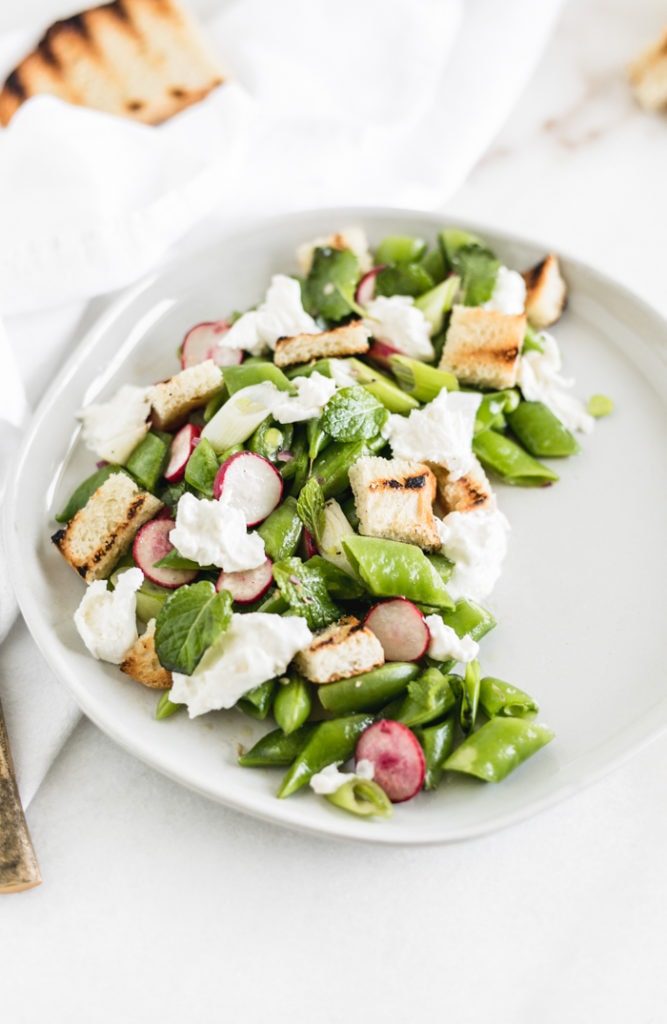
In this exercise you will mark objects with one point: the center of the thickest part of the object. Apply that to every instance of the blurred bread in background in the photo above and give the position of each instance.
(648, 75)
(141, 59)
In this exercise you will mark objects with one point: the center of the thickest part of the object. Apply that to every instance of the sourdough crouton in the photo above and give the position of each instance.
(647, 75)
(348, 340)
(102, 531)
(464, 494)
(171, 400)
(546, 292)
(394, 499)
(141, 662)
(482, 346)
(353, 238)
(339, 651)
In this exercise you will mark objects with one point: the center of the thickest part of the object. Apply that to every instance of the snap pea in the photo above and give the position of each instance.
(510, 461)
(247, 373)
(317, 438)
(421, 381)
(381, 387)
(147, 462)
(276, 748)
(270, 438)
(165, 706)
(281, 531)
(258, 701)
(540, 431)
(368, 691)
(330, 743)
(499, 698)
(492, 410)
(430, 697)
(362, 797)
(390, 568)
(85, 490)
(469, 696)
(437, 742)
(438, 301)
(468, 618)
(498, 747)
(400, 249)
(292, 703)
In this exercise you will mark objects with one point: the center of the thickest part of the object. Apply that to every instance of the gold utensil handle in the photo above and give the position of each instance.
(18, 864)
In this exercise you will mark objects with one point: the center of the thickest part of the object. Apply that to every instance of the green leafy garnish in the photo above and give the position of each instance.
(202, 467)
(478, 270)
(305, 590)
(191, 620)
(403, 279)
(353, 414)
(310, 508)
(328, 291)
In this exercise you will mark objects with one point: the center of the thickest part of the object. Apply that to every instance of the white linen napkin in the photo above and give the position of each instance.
(367, 103)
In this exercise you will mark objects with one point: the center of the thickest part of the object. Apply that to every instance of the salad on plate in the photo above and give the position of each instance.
(300, 523)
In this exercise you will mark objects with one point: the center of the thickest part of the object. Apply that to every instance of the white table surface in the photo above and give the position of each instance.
(158, 905)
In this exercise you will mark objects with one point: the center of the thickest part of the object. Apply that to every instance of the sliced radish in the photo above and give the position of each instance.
(182, 446)
(401, 629)
(248, 586)
(309, 544)
(201, 343)
(396, 756)
(151, 544)
(380, 352)
(249, 482)
(365, 291)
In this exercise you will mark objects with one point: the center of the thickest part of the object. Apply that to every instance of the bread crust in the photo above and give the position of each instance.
(348, 340)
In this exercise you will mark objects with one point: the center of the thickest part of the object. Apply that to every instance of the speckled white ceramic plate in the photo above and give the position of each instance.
(581, 605)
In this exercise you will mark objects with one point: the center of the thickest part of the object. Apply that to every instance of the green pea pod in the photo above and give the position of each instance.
(202, 467)
(148, 460)
(368, 691)
(469, 696)
(499, 698)
(331, 742)
(541, 432)
(292, 703)
(318, 439)
(276, 749)
(165, 706)
(510, 461)
(400, 249)
(281, 531)
(469, 619)
(85, 490)
(362, 797)
(430, 697)
(498, 747)
(492, 409)
(437, 742)
(270, 438)
(421, 381)
(390, 568)
(150, 598)
(247, 373)
(258, 701)
(382, 387)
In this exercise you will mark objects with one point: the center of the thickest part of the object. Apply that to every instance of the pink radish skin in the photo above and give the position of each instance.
(181, 449)
(365, 291)
(152, 543)
(249, 482)
(401, 629)
(380, 352)
(201, 343)
(248, 586)
(310, 547)
(396, 756)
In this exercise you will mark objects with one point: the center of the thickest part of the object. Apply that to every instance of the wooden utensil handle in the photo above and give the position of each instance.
(18, 864)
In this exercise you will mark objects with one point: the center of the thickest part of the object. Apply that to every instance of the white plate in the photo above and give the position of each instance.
(580, 607)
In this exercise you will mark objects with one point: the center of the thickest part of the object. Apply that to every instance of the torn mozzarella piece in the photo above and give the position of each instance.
(106, 619)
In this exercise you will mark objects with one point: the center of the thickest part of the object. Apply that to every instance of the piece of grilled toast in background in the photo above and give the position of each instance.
(141, 59)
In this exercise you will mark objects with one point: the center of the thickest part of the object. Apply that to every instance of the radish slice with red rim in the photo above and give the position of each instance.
(396, 756)
(365, 290)
(250, 482)
(380, 352)
(401, 629)
(182, 445)
(151, 544)
(201, 343)
(249, 585)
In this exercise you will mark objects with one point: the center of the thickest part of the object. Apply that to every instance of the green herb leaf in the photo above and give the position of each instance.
(305, 590)
(403, 279)
(190, 621)
(478, 269)
(353, 414)
(328, 291)
(310, 508)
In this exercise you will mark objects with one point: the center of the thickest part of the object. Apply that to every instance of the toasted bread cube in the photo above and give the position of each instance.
(465, 494)
(648, 75)
(348, 340)
(102, 531)
(482, 346)
(141, 662)
(546, 292)
(394, 499)
(173, 399)
(345, 648)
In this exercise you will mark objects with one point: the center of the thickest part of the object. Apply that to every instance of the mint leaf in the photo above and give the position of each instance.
(310, 508)
(305, 590)
(478, 270)
(328, 291)
(190, 621)
(353, 414)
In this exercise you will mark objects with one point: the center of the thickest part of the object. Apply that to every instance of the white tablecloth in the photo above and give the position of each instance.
(160, 906)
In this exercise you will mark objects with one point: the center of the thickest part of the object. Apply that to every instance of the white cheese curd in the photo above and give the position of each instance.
(540, 381)
(313, 393)
(113, 429)
(215, 533)
(509, 293)
(106, 619)
(280, 315)
(445, 642)
(476, 542)
(341, 373)
(441, 432)
(330, 779)
(397, 321)
(256, 646)
(353, 238)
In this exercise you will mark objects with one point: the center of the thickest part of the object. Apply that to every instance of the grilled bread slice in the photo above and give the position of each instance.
(482, 346)
(141, 59)
(349, 340)
(394, 499)
(344, 649)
